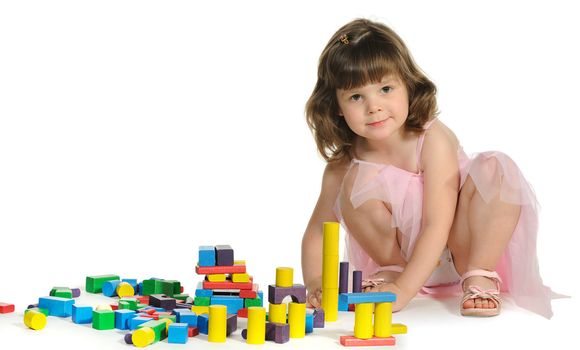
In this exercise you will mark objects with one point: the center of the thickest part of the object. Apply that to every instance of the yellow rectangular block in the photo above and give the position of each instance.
(239, 262)
(330, 304)
(240, 277)
(200, 309)
(217, 277)
(399, 328)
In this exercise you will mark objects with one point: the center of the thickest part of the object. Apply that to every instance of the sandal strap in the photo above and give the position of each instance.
(475, 292)
(483, 273)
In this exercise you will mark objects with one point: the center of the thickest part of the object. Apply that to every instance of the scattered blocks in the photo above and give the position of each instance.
(94, 284)
(110, 288)
(177, 333)
(34, 319)
(103, 320)
(6, 308)
(122, 318)
(82, 314)
(56, 306)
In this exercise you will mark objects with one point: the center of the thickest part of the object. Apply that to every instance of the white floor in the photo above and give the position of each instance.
(432, 324)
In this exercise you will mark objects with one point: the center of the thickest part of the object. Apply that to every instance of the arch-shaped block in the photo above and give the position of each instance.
(277, 294)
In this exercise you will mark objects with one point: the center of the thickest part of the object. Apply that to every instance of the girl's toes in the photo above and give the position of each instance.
(485, 304)
(468, 304)
(478, 303)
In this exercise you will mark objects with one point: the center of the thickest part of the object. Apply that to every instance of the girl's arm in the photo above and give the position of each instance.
(441, 186)
(312, 239)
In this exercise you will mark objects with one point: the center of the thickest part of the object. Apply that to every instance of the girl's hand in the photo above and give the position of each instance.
(402, 297)
(314, 298)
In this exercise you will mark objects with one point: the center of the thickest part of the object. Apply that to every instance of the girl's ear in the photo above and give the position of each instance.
(340, 114)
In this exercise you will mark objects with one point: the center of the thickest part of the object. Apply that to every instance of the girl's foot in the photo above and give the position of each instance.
(481, 290)
(483, 283)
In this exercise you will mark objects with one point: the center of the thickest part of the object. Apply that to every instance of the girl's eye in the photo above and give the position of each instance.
(386, 89)
(355, 97)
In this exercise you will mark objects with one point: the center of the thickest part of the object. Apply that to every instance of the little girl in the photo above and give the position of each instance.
(417, 211)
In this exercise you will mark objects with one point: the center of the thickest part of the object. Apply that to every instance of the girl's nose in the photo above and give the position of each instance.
(374, 108)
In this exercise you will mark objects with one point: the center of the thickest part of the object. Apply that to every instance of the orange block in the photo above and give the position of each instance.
(349, 340)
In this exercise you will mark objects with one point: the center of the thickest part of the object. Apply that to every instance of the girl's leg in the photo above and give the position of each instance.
(370, 225)
(480, 232)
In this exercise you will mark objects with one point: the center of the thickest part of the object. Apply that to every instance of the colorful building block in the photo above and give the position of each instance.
(277, 294)
(202, 301)
(309, 323)
(110, 288)
(200, 310)
(189, 318)
(82, 314)
(217, 326)
(162, 301)
(348, 340)
(224, 255)
(399, 328)
(330, 270)
(277, 313)
(371, 297)
(94, 284)
(318, 321)
(217, 277)
(207, 270)
(56, 306)
(103, 320)
(232, 303)
(6, 308)
(122, 318)
(297, 319)
(343, 278)
(136, 321)
(192, 331)
(356, 281)
(383, 320)
(277, 332)
(256, 333)
(250, 293)
(240, 277)
(203, 323)
(226, 285)
(203, 292)
(249, 302)
(207, 256)
(61, 292)
(363, 320)
(159, 328)
(177, 333)
(34, 319)
(124, 289)
(284, 277)
(143, 336)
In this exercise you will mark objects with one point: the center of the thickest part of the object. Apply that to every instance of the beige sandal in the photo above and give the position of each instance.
(475, 292)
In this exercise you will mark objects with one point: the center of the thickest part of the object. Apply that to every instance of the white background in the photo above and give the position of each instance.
(131, 132)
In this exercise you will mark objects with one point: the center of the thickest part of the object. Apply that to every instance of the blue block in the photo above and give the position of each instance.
(122, 318)
(206, 256)
(139, 288)
(261, 294)
(202, 323)
(372, 297)
(203, 293)
(82, 314)
(131, 281)
(56, 306)
(135, 322)
(185, 316)
(233, 303)
(342, 305)
(309, 323)
(177, 333)
(110, 288)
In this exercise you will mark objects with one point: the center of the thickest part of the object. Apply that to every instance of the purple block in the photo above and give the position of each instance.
(224, 255)
(232, 324)
(357, 281)
(277, 294)
(278, 332)
(318, 318)
(162, 301)
(129, 338)
(76, 292)
(343, 284)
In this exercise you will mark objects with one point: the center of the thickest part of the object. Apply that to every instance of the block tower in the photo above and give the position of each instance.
(330, 271)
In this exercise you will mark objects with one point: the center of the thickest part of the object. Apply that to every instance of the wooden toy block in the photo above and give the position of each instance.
(56, 306)
(82, 314)
(124, 289)
(202, 301)
(329, 301)
(247, 293)
(170, 287)
(61, 292)
(94, 284)
(318, 321)
(277, 294)
(297, 320)
(226, 285)
(162, 301)
(399, 328)
(231, 324)
(143, 336)
(149, 287)
(103, 320)
(181, 296)
(159, 327)
(76, 292)
(207, 270)
(128, 338)
(132, 282)
(139, 320)
(192, 331)
(110, 288)
(207, 256)
(342, 305)
(309, 323)
(203, 292)
(217, 324)
(177, 333)
(229, 292)
(284, 277)
(224, 255)
(186, 316)
(199, 310)
(218, 277)
(6, 308)
(34, 320)
(43, 311)
(330, 277)
(203, 323)
(232, 303)
(363, 320)
(277, 313)
(249, 302)
(240, 277)
(357, 281)
(383, 320)
(122, 318)
(372, 297)
(243, 313)
(343, 278)
(277, 332)
(256, 333)
(128, 303)
(348, 340)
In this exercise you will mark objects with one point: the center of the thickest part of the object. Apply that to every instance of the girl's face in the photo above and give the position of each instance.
(375, 111)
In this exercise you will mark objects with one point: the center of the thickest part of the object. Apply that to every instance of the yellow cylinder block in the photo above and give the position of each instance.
(383, 320)
(330, 271)
(330, 234)
(143, 337)
(284, 277)
(124, 289)
(363, 320)
(256, 325)
(277, 313)
(330, 304)
(297, 320)
(35, 320)
(217, 324)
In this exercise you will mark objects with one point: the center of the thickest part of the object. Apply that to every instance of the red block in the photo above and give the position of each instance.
(350, 307)
(251, 294)
(349, 340)
(114, 307)
(227, 285)
(243, 312)
(210, 270)
(143, 299)
(6, 308)
(192, 331)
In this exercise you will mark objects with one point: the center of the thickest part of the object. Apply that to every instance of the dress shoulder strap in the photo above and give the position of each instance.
(421, 139)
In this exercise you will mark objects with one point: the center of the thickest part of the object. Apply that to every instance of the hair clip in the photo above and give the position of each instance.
(344, 39)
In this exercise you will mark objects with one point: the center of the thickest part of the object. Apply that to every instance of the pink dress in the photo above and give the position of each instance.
(403, 190)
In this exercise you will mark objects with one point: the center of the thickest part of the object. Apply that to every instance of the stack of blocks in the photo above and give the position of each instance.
(330, 270)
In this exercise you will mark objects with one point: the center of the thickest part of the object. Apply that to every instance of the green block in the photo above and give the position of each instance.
(140, 306)
(158, 326)
(44, 311)
(61, 292)
(151, 287)
(171, 317)
(103, 320)
(202, 301)
(252, 302)
(94, 284)
(170, 287)
(129, 303)
(181, 296)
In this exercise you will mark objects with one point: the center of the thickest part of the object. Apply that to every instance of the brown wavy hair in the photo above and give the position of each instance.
(359, 53)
